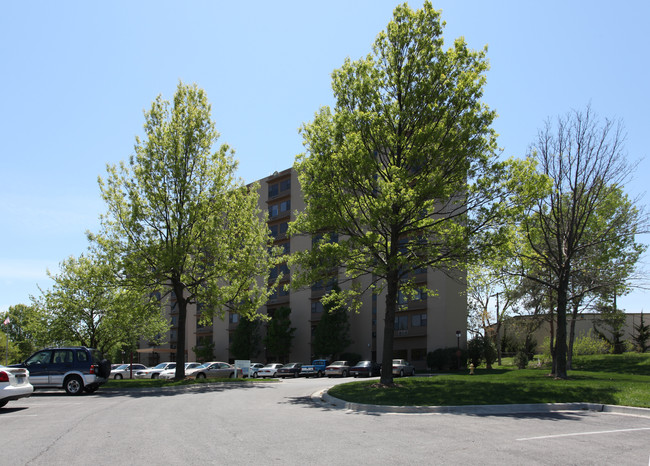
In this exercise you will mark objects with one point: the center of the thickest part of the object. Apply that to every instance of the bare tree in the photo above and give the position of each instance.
(586, 215)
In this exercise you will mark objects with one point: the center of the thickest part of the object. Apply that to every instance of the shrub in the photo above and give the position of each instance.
(521, 359)
(590, 344)
(444, 359)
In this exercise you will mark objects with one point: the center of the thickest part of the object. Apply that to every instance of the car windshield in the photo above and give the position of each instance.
(203, 366)
(363, 363)
(338, 363)
(162, 365)
(270, 366)
(123, 366)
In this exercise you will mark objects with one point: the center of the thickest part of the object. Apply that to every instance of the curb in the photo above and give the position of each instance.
(531, 408)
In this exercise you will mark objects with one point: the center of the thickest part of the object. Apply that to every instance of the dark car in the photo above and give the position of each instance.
(289, 370)
(74, 368)
(365, 369)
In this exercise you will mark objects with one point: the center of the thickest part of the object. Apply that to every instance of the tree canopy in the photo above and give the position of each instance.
(580, 237)
(180, 221)
(403, 174)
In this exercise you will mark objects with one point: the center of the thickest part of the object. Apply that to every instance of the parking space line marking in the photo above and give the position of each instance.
(585, 433)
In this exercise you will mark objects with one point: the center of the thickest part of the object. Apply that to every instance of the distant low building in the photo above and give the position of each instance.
(516, 327)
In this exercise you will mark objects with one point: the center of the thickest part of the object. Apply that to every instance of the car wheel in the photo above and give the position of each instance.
(345, 374)
(320, 374)
(117, 376)
(413, 373)
(401, 373)
(73, 385)
(232, 375)
(155, 375)
(254, 375)
(200, 375)
(295, 375)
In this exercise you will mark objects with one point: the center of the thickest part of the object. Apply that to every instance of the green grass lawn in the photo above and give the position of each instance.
(608, 379)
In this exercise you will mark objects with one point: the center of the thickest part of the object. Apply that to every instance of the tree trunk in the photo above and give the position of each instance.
(572, 333)
(181, 301)
(560, 342)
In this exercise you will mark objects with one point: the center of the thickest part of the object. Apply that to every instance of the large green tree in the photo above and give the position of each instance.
(332, 334)
(404, 168)
(246, 339)
(180, 221)
(279, 334)
(583, 231)
(26, 330)
(86, 306)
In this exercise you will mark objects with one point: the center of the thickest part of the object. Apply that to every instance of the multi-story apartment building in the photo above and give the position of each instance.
(424, 324)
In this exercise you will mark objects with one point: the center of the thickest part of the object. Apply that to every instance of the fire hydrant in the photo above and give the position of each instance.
(471, 369)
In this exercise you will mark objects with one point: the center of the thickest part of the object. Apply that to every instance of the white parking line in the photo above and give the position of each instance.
(584, 433)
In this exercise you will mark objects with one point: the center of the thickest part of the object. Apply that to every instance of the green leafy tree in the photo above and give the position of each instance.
(609, 326)
(85, 306)
(332, 334)
(204, 353)
(246, 339)
(641, 335)
(179, 221)
(585, 220)
(279, 336)
(27, 330)
(404, 168)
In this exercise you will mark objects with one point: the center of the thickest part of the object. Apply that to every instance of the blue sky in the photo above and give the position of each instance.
(76, 77)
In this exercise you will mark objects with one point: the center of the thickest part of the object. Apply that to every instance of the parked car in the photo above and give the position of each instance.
(73, 368)
(339, 368)
(269, 370)
(171, 373)
(365, 369)
(252, 369)
(213, 369)
(154, 372)
(316, 368)
(289, 370)
(14, 384)
(402, 367)
(123, 371)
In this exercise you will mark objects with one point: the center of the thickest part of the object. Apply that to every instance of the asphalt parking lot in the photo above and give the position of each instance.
(287, 422)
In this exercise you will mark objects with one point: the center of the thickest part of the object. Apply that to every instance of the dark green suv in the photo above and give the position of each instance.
(74, 368)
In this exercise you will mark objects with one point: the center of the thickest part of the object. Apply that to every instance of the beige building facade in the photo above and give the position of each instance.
(427, 322)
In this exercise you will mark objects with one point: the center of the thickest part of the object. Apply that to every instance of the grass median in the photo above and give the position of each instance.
(608, 379)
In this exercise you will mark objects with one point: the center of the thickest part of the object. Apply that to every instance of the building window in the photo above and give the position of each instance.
(316, 307)
(233, 318)
(274, 230)
(273, 211)
(284, 226)
(273, 190)
(285, 185)
(419, 320)
(401, 323)
(285, 206)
